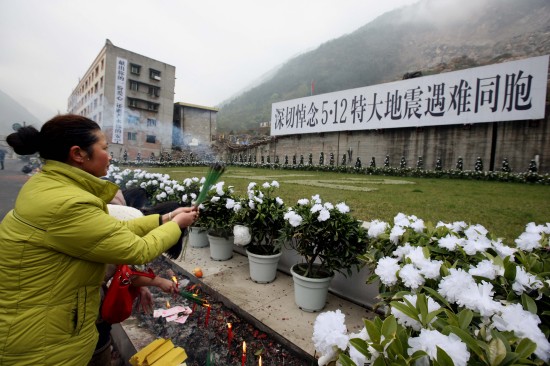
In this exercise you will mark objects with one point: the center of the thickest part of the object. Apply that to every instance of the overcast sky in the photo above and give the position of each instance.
(217, 46)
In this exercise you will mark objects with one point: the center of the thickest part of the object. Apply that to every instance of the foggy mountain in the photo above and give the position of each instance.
(12, 112)
(431, 36)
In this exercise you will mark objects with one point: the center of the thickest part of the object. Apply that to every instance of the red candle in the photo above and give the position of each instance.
(244, 354)
(229, 335)
(207, 315)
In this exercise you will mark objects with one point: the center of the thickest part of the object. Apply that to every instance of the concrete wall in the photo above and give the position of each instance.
(197, 124)
(518, 141)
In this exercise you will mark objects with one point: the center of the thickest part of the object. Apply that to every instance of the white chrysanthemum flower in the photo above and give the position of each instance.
(524, 324)
(203, 179)
(387, 269)
(357, 357)
(241, 234)
(534, 228)
(316, 208)
(476, 245)
(303, 201)
(528, 241)
(194, 196)
(293, 218)
(329, 335)
(479, 297)
(266, 185)
(219, 188)
(402, 251)
(324, 215)
(316, 199)
(416, 255)
(430, 269)
(458, 281)
(215, 199)
(475, 232)
(396, 233)
(525, 281)
(429, 340)
(377, 228)
(184, 198)
(229, 203)
(279, 201)
(275, 184)
(401, 220)
(251, 204)
(418, 225)
(329, 206)
(503, 250)
(342, 207)
(486, 269)
(406, 320)
(411, 277)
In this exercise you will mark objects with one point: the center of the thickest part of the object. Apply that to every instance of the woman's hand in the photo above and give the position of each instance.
(145, 300)
(165, 285)
(183, 216)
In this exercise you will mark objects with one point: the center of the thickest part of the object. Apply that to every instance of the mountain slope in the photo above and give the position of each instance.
(432, 36)
(12, 112)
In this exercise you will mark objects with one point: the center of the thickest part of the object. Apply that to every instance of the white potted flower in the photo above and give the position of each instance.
(452, 294)
(260, 220)
(329, 239)
(217, 214)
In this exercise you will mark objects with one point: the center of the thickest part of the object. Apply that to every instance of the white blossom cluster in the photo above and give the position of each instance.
(256, 195)
(322, 211)
(159, 187)
(470, 287)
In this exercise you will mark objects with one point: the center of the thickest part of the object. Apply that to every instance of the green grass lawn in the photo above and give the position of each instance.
(503, 208)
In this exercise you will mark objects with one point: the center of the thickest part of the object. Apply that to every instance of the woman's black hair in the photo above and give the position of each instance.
(162, 209)
(136, 197)
(56, 137)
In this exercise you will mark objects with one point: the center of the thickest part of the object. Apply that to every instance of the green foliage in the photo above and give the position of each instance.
(324, 233)
(263, 212)
(218, 211)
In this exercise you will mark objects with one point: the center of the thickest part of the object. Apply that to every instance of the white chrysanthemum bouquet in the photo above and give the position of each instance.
(325, 234)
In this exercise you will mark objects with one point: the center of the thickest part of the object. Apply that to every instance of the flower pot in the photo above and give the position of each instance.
(221, 249)
(263, 268)
(198, 237)
(310, 294)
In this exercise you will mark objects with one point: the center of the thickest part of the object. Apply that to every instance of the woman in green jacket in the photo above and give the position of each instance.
(56, 241)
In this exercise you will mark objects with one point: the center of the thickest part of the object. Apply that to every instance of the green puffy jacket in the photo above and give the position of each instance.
(53, 248)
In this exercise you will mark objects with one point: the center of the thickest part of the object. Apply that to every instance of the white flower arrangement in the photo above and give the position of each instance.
(452, 286)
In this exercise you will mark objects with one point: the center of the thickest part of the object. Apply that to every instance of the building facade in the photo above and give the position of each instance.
(194, 127)
(131, 96)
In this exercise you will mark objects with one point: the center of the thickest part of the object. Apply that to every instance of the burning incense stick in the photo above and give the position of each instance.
(193, 297)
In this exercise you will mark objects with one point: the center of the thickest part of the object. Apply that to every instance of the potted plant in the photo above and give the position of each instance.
(262, 216)
(329, 239)
(190, 192)
(217, 214)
